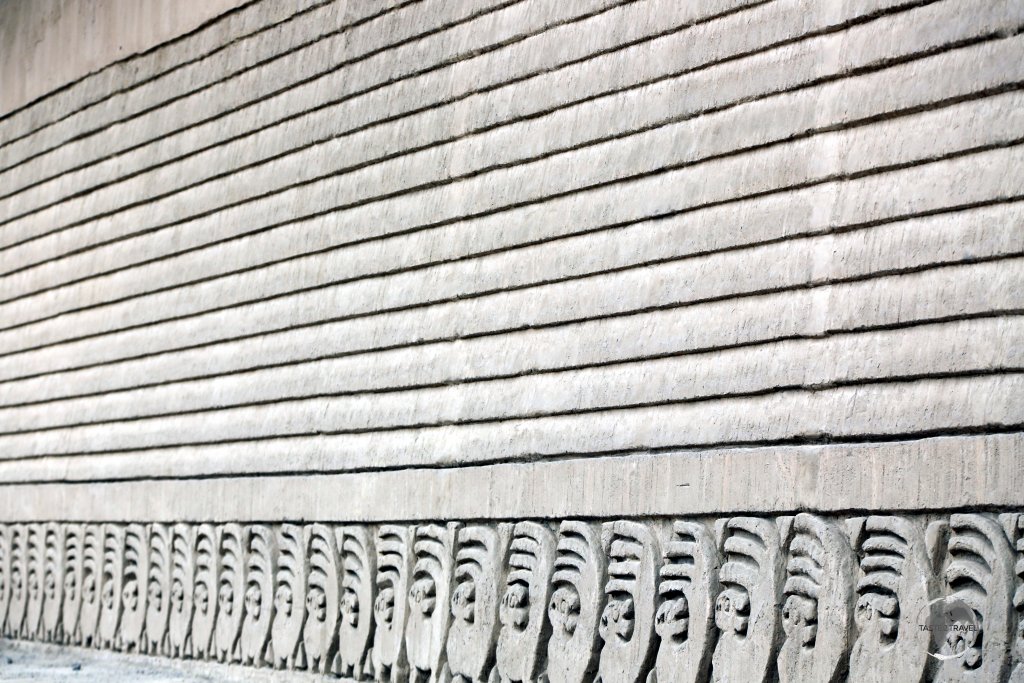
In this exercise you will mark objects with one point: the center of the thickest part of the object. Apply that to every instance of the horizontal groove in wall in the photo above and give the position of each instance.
(128, 72)
(463, 319)
(296, 77)
(793, 264)
(682, 233)
(421, 91)
(502, 245)
(879, 410)
(932, 473)
(345, 295)
(897, 356)
(218, 96)
(36, 306)
(33, 245)
(994, 287)
(985, 231)
(93, 243)
(296, 128)
(847, 158)
(846, 163)
(921, 189)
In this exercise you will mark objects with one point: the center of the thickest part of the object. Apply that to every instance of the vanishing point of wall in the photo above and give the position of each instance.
(525, 340)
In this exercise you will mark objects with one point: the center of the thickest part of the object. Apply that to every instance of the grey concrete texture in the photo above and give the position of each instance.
(182, 301)
(208, 328)
(431, 128)
(520, 341)
(804, 598)
(99, 85)
(686, 235)
(37, 38)
(382, 139)
(929, 473)
(414, 35)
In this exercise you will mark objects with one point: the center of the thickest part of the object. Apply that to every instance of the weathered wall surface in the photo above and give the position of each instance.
(46, 45)
(596, 338)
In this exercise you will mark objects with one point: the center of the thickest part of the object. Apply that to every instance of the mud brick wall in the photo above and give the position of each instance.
(608, 340)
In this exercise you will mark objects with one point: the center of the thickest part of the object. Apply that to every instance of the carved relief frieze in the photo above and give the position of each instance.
(394, 548)
(480, 568)
(358, 585)
(91, 585)
(158, 589)
(577, 603)
(182, 591)
(134, 587)
(231, 585)
(36, 568)
(18, 601)
(978, 587)
(289, 597)
(261, 550)
(747, 609)
(54, 568)
(817, 609)
(204, 590)
(323, 598)
(111, 584)
(687, 589)
(627, 623)
(896, 585)
(6, 578)
(73, 551)
(430, 592)
(794, 599)
(525, 628)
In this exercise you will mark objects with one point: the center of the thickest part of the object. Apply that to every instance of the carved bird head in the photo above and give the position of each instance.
(422, 595)
(732, 610)
(672, 622)
(464, 601)
(89, 588)
(283, 600)
(384, 606)
(878, 614)
(201, 597)
(515, 606)
(618, 618)
(316, 604)
(70, 586)
(108, 594)
(564, 609)
(50, 584)
(349, 608)
(226, 598)
(254, 600)
(130, 594)
(800, 619)
(177, 595)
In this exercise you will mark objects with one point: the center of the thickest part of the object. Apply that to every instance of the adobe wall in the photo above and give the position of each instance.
(488, 340)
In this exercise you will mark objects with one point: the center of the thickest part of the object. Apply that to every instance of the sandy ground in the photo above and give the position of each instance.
(17, 664)
(36, 663)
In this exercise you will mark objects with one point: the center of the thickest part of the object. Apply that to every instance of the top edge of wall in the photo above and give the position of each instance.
(37, 38)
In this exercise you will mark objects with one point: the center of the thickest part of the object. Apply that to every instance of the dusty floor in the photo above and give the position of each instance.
(22, 665)
(20, 662)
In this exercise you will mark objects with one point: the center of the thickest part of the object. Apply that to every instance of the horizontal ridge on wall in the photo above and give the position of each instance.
(801, 598)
